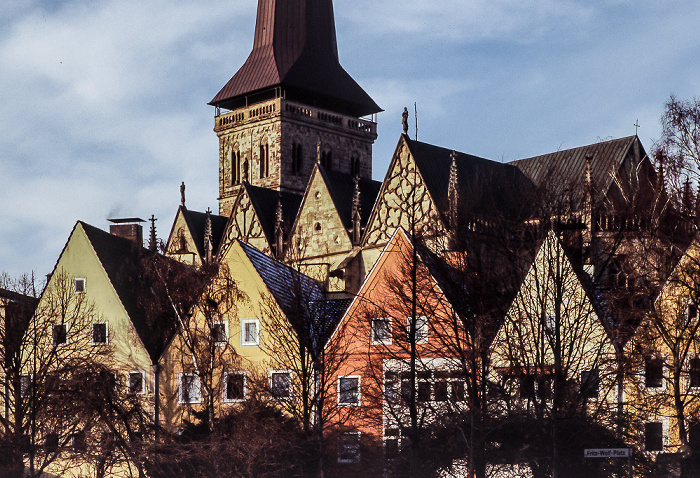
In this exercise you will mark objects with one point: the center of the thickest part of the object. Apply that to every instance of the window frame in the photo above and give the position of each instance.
(388, 340)
(180, 388)
(358, 393)
(664, 377)
(342, 448)
(92, 333)
(227, 374)
(689, 373)
(290, 391)
(76, 281)
(143, 382)
(420, 338)
(245, 322)
(665, 422)
(225, 341)
(54, 342)
(589, 395)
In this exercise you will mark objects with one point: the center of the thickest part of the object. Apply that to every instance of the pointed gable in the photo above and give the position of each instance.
(552, 291)
(186, 241)
(253, 217)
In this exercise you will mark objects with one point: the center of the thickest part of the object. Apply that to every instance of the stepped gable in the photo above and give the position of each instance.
(342, 189)
(564, 171)
(295, 49)
(290, 288)
(196, 222)
(486, 188)
(122, 261)
(265, 203)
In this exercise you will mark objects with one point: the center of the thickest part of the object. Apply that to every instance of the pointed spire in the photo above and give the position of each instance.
(452, 190)
(153, 240)
(279, 228)
(356, 213)
(208, 238)
(319, 147)
(687, 197)
(660, 179)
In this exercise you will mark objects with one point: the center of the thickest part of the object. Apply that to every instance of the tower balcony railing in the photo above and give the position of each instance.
(281, 106)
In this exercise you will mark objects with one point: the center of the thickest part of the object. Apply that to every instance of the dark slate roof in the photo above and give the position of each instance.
(486, 188)
(196, 222)
(122, 260)
(326, 315)
(292, 290)
(342, 190)
(265, 203)
(564, 171)
(295, 48)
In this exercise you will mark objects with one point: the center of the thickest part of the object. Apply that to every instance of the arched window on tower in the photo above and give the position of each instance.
(327, 160)
(264, 160)
(236, 166)
(297, 158)
(354, 166)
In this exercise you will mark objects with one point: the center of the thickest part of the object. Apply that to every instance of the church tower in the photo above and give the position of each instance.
(291, 104)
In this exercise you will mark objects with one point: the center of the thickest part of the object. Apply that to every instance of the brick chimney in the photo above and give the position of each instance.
(128, 228)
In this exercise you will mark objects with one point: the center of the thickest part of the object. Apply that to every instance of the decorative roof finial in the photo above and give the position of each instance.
(319, 146)
(356, 213)
(404, 120)
(452, 191)
(279, 228)
(182, 194)
(153, 240)
(208, 239)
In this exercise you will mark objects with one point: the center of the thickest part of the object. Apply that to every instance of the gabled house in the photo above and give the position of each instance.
(663, 365)
(327, 231)
(195, 236)
(388, 362)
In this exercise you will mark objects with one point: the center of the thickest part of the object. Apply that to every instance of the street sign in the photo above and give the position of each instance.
(606, 452)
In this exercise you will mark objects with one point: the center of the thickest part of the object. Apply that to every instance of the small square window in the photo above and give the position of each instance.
(135, 385)
(250, 331)
(219, 333)
(234, 387)
(381, 331)
(653, 373)
(590, 382)
(99, 333)
(349, 447)
(348, 390)
(281, 385)
(79, 285)
(654, 436)
(421, 329)
(190, 390)
(59, 334)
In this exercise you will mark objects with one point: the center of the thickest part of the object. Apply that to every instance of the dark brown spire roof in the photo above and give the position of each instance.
(295, 48)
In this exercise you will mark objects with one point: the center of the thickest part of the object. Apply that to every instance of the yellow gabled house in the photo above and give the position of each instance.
(255, 347)
(663, 360)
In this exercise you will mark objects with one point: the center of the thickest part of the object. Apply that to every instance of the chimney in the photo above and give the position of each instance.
(128, 228)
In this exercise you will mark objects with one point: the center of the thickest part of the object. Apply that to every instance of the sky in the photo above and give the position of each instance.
(103, 103)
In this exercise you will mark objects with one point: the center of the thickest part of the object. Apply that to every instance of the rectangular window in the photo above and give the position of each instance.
(694, 372)
(100, 333)
(281, 385)
(590, 382)
(440, 387)
(390, 385)
(348, 390)
(59, 334)
(25, 384)
(381, 331)
(654, 436)
(79, 285)
(51, 442)
(234, 387)
(250, 332)
(421, 329)
(190, 390)
(653, 373)
(527, 386)
(691, 312)
(77, 442)
(349, 447)
(219, 333)
(135, 383)
(694, 435)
